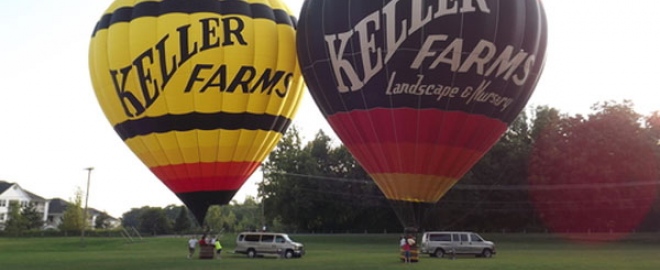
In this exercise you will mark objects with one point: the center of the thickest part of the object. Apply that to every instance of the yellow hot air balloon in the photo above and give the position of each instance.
(201, 91)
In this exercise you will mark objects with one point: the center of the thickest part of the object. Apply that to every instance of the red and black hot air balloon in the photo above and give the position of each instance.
(419, 90)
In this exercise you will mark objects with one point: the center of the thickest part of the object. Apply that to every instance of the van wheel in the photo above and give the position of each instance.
(439, 253)
(251, 253)
(487, 253)
(288, 254)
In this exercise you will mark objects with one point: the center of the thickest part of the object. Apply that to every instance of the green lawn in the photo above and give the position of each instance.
(356, 251)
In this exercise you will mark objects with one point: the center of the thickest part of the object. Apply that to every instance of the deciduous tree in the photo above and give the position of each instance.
(154, 221)
(182, 222)
(72, 218)
(16, 223)
(33, 218)
(596, 173)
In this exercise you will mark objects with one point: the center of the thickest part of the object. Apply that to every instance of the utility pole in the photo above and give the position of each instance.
(263, 196)
(84, 225)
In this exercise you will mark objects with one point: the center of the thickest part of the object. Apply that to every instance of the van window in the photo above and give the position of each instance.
(267, 238)
(252, 238)
(475, 238)
(464, 237)
(279, 239)
(440, 237)
(454, 237)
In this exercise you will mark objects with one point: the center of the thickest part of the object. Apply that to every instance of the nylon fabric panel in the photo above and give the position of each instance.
(203, 146)
(203, 176)
(412, 187)
(201, 91)
(420, 87)
(411, 125)
(405, 158)
(491, 55)
(446, 144)
(126, 41)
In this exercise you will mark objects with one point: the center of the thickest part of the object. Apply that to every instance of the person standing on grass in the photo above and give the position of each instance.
(406, 251)
(192, 242)
(218, 248)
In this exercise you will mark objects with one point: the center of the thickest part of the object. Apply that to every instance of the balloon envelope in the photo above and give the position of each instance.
(200, 91)
(419, 91)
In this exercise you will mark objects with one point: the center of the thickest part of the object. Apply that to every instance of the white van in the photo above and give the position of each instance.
(437, 244)
(260, 243)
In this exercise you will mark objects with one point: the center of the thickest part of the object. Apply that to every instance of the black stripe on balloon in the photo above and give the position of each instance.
(155, 9)
(198, 202)
(201, 121)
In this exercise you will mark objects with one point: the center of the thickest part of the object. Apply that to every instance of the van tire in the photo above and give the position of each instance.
(251, 253)
(487, 253)
(439, 253)
(288, 254)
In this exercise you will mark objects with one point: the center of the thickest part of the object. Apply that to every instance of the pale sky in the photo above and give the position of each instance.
(51, 126)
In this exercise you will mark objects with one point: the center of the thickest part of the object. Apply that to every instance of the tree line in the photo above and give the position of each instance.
(550, 171)
(176, 219)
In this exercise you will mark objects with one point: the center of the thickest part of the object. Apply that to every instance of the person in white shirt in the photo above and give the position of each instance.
(192, 243)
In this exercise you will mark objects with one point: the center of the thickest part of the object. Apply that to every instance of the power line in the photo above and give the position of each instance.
(330, 178)
(494, 187)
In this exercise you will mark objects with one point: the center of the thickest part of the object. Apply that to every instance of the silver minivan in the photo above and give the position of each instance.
(261, 243)
(437, 244)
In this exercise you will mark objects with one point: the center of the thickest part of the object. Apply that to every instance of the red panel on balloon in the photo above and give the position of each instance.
(205, 176)
(405, 140)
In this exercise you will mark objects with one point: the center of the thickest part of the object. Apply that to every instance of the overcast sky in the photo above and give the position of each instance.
(51, 126)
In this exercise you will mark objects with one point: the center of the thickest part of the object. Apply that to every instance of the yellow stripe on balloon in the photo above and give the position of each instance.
(413, 187)
(179, 147)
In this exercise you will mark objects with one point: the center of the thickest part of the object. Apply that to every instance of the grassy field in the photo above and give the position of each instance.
(356, 251)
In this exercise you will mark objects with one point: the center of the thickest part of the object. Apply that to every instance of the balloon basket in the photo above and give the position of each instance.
(206, 252)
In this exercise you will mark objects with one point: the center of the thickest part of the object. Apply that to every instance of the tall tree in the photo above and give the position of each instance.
(16, 223)
(182, 222)
(132, 217)
(33, 218)
(247, 215)
(652, 125)
(282, 195)
(72, 218)
(214, 218)
(596, 173)
(154, 221)
(229, 221)
(321, 188)
(102, 221)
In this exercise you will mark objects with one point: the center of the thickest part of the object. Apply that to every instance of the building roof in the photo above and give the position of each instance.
(34, 197)
(57, 206)
(4, 186)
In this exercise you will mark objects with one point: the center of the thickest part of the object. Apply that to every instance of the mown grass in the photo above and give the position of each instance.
(354, 251)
